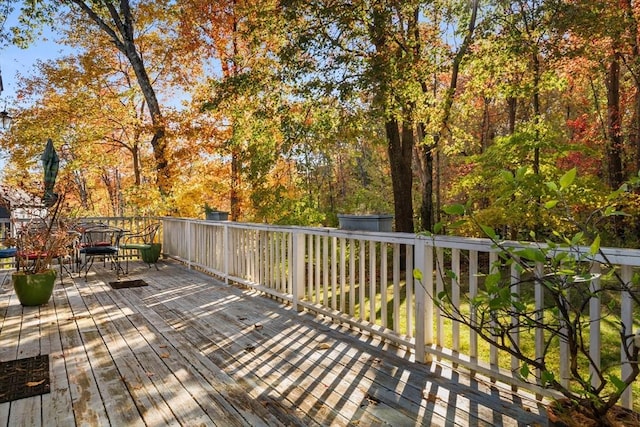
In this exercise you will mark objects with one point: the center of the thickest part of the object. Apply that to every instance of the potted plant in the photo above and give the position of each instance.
(213, 214)
(589, 393)
(44, 238)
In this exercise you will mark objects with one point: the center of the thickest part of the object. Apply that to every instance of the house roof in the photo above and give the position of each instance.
(14, 198)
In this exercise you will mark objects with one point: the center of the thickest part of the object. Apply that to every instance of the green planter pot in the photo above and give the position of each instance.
(151, 255)
(34, 289)
(369, 222)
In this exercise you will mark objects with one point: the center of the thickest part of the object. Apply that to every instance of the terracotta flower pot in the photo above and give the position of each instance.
(34, 289)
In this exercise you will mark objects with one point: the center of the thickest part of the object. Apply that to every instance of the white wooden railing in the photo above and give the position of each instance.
(356, 278)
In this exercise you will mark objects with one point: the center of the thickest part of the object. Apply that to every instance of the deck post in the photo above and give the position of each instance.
(424, 304)
(189, 242)
(297, 262)
(225, 252)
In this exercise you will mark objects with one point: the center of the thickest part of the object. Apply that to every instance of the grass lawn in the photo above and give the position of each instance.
(610, 334)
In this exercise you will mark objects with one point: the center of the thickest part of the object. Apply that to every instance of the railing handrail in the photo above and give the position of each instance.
(334, 272)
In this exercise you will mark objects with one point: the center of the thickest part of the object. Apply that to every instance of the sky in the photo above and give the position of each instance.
(14, 60)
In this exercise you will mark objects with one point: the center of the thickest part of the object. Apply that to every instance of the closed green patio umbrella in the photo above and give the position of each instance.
(50, 163)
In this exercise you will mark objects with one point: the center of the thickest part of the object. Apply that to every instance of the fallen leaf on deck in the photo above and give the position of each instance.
(372, 399)
(324, 346)
(35, 383)
(258, 326)
(165, 355)
(431, 397)
(150, 374)
(249, 348)
(242, 318)
(163, 346)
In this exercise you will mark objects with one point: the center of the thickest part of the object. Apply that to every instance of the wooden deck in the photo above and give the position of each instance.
(188, 350)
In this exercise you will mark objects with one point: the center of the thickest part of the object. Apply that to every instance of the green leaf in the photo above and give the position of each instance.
(547, 377)
(506, 176)
(490, 232)
(524, 371)
(457, 224)
(417, 274)
(456, 209)
(518, 306)
(568, 178)
(618, 383)
(577, 238)
(531, 254)
(551, 204)
(521, 172)
(595, 246)
(492, 280)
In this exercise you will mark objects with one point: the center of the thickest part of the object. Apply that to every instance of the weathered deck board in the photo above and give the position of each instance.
(188, 350)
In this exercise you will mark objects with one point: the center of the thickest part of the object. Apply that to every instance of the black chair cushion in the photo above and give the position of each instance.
(99, 250)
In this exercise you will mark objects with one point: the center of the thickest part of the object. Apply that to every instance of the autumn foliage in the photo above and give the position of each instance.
(294, 111)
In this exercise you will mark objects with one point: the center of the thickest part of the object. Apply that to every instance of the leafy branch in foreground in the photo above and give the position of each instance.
(545, 289)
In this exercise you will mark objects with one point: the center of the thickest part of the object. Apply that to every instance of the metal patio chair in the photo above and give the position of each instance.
(100, 241)
(140, 241)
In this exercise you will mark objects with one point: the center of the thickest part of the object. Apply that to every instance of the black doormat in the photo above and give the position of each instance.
(24, 378)
(128, 284)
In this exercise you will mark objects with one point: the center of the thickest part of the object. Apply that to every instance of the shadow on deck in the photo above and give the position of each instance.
(189, 350)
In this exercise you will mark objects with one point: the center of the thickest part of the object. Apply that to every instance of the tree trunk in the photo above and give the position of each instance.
(135, 160)
(426, 209)
(634, 131)
(234, 192)
(120, 31)
(400, 148)
(81, 185)
(614, 124)
(536, 113)
(634, 67)
(400, 142)
(512, 108)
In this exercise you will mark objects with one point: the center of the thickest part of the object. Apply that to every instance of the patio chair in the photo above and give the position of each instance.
(140, 241)
(100, 241)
